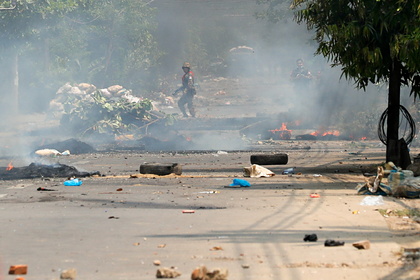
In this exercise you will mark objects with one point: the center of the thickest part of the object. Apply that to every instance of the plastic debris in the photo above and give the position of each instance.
(73, 182)
(51, 153)
(257, 171)
(372, 200)
(240, 182)
(288, 171)
(411, 253)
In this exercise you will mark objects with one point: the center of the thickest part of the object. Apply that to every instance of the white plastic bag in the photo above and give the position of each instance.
(372, 200)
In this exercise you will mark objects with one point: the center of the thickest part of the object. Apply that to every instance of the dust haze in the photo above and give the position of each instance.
(206, 33)
(328, 103)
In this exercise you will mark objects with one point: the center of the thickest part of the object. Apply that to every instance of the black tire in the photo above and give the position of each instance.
(161, 168)
(275, 159)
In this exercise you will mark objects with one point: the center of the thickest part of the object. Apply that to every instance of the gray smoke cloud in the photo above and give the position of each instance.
(206, 33)
(329, 103)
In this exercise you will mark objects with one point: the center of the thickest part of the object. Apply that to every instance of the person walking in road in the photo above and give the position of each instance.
(188, 91)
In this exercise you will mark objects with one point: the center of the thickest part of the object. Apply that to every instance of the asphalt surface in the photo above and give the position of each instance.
(115, 226)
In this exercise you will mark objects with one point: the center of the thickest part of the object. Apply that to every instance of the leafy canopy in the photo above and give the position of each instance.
(102, 42)
(366, 37)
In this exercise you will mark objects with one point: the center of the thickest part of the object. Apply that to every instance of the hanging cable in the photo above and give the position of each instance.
(406, 121)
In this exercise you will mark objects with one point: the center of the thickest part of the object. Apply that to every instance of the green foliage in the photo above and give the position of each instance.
(26, 20)
(195, 50)
(103, 42)
(85, 116)
(367, 38)
(119, 38)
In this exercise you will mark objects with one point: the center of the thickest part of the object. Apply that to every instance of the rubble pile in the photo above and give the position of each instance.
(84, 110)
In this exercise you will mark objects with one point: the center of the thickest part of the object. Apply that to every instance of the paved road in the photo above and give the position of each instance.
(255, 233)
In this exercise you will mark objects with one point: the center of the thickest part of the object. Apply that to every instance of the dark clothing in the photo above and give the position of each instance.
(188, 92)
(188, 83)
(301, 76)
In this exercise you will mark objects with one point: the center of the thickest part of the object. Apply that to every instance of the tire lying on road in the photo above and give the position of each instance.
(272, 159)
(161, 168)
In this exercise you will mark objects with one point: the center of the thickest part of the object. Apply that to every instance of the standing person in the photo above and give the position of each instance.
(301, 76)
(303, 98)
(188, 91)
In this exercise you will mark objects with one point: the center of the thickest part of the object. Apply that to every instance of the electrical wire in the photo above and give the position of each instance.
(409, 124)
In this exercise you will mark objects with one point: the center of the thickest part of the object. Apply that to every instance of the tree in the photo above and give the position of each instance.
(19, 24)
(373, 42)
(103, 42)
(118, 38)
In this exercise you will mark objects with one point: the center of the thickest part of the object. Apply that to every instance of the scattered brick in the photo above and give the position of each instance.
(363, 244)
(68, 274)
(202, 273)
(167, 273)
(18, 269)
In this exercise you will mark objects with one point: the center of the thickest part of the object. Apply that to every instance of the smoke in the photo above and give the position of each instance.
(232, 85)
(261, 78)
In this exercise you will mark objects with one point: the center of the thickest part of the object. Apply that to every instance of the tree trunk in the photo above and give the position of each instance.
(392, 148)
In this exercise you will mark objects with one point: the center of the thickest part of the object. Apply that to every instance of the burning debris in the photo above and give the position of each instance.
(281, 134)
(35, 170)
(317, 135)
(273, 129)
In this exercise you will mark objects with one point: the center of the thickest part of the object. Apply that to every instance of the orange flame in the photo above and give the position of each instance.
(283, 128)
(9, 166)
(332, 132)
(284, 134)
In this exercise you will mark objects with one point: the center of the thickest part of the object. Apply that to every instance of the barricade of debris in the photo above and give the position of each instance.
(114, 111)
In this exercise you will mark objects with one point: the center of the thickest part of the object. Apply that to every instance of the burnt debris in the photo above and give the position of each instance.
(35, 170)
